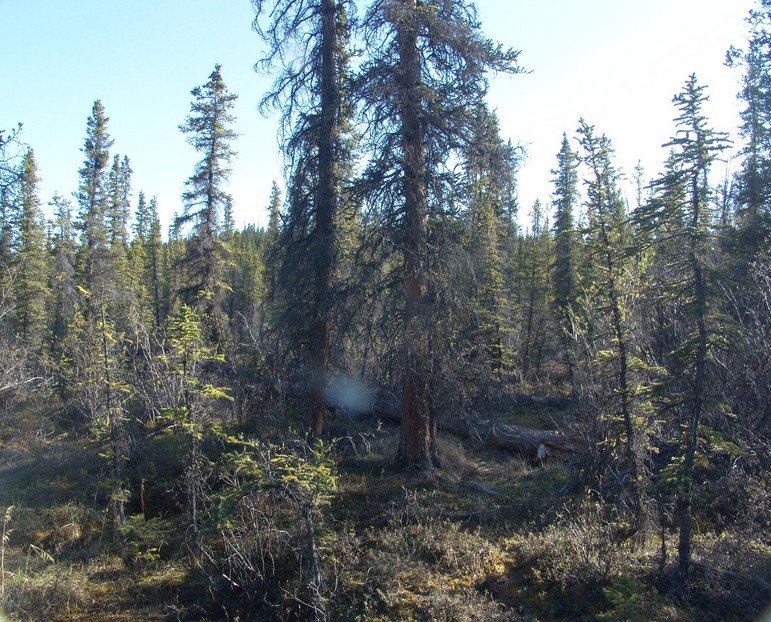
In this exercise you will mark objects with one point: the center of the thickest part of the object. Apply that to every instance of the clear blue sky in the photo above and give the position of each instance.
(618, 63)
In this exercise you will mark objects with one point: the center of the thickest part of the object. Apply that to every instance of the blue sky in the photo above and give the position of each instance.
(617, 63)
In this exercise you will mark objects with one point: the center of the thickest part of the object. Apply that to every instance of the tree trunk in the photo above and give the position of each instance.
(416, 441)
(326, 209)
(683, 502)
(315, 577)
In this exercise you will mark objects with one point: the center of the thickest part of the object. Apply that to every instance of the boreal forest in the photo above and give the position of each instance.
(394, 402)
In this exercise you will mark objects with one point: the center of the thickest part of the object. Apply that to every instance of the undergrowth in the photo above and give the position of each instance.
(487, 536)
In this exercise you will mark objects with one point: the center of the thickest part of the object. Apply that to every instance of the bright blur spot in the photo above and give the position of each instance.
(349, 394)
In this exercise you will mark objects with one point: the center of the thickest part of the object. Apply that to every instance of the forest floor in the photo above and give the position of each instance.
(488, 536)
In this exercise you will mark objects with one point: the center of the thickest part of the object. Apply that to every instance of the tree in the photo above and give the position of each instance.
(271, 256)
(747, 237)
(310, 94)
(420, 89)
(183, 401)
(93, 354)
(607, 243)
(125, 297)
(31, 266)
(148, 245)
(92, 198)
(119, 204)
(536, 280)
(564, 280)
(154, 250)
(139, 264)
(683, 205)
(247, 284)
(754, 179)
(209, 132)
(490, 168)
(62, 287)
(11, 155)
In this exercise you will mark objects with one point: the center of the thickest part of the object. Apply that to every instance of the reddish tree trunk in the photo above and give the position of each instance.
(326, 209)
(416, 442)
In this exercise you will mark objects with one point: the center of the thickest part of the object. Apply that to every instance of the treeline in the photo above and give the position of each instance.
(395, 259)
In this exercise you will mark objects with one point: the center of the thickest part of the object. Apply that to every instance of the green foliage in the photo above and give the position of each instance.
(145, 539)
(306, 478)
(312, 478)
(630, 600)
(186, 354)
(94, 261)
(209, 131)
(31, 266)
(565, 236)
(188, 350)
(675, 477)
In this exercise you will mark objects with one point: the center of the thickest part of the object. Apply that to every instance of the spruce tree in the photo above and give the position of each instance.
(419, 91)
(11, 154)
(536, 278)
(154, 251)
(753, 191)
(63, 295)
(249, 245)
(149, 244)
(125, 298)
(30, 262)
(271, 259)
(683, 205)
(93, 200)
(119, 204)
(210, 133)
(93, 352)
(491, 167)
(184, 404)
(314, 115)
(564, 278)
(607, 239)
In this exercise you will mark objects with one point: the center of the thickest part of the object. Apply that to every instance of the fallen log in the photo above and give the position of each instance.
(535, 445)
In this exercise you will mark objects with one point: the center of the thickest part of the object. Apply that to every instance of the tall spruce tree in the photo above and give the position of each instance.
(607, 242)
(119, 203)
(30, 262)
(148, 244)
(564, 279)
(11, 154)
(748, 235)
(93, 200)
(271, 256)
(156, 273)
(125, 297)
(419, 91)
(753, 191)
(683, 205)
(209, 131)
(490, 168)
(537, 256)
(314, 114)
(63, 295)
